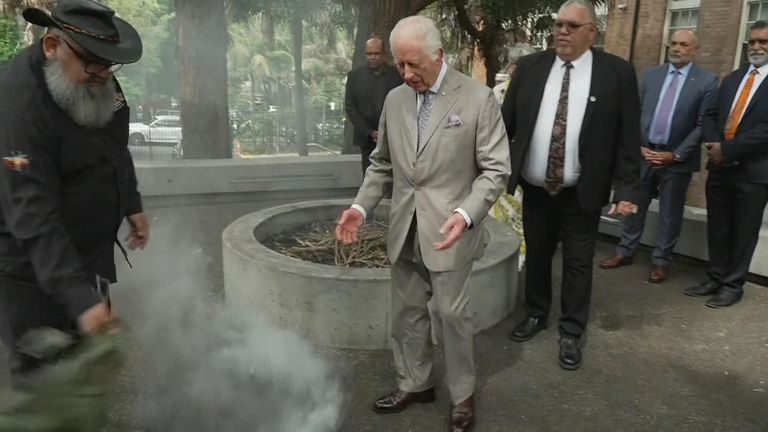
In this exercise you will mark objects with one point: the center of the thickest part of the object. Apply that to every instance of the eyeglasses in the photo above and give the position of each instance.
(92, 66)
(571, 27)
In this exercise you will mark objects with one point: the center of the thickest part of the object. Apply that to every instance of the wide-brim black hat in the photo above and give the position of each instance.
(94, 27)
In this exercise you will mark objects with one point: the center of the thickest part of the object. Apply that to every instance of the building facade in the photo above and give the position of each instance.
(639, 31)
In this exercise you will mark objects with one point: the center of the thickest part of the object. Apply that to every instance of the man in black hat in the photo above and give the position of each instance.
(67, 178)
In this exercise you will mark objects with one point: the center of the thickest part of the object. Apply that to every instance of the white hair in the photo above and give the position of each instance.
(90, 106)
(418, 27)
(582, 4)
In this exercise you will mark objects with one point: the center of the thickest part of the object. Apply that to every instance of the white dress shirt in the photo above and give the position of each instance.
(535, 167)
(419, 99)
(761, 73)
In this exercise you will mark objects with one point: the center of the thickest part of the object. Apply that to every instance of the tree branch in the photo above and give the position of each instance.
(464, 21)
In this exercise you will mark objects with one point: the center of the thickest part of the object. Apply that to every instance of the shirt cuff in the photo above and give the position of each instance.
(465, 216)
(361, 210)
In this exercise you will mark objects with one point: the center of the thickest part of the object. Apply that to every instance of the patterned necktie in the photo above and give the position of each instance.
(422, 119)
(553, 181)
(660, 132)
(738, 110)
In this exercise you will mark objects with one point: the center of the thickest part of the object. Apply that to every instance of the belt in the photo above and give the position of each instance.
(657, 147)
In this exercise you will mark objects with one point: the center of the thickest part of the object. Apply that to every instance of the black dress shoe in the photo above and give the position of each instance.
(462, 416)
(527, 329)
(399, 400)
(725, 298)
(703, 289)
(570, 352)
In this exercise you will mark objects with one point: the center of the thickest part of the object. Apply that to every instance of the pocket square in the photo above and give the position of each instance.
(453, 121)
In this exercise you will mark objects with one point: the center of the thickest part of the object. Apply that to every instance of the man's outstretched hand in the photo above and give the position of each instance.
(452, 231)
(349, 225)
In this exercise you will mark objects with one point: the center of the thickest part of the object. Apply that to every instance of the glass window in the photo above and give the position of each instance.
(683, 14)
(756, 10)
(683, 19)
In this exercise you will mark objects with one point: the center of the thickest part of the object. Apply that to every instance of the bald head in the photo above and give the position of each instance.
(683, 47)
(374, 52)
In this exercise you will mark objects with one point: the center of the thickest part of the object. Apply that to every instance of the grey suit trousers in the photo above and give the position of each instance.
(413, 286)
(672, 187)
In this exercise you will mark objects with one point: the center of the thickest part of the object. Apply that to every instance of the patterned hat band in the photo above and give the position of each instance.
(89, 33)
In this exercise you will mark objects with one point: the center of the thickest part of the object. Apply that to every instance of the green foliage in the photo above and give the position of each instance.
(10, 37)
(153, 20)
(509, 209)
(132, 90)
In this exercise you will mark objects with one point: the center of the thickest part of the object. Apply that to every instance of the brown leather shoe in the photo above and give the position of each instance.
(399, 400)
(462, 416)
(659, 274)
(616, 262)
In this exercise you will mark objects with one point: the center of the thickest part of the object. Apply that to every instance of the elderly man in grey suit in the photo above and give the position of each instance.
(674, 99)
(443, 147)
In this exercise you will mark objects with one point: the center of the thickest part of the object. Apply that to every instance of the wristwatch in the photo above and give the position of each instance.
(677, 157)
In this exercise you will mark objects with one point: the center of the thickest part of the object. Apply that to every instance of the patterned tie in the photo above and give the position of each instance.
(738, 110)
(422, 118)
(553, 181)
(660, 132)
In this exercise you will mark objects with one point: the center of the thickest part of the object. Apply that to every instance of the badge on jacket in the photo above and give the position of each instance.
(17, 161)
(119, 101)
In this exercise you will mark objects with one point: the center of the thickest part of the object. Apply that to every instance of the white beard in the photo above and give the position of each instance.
(90, 106)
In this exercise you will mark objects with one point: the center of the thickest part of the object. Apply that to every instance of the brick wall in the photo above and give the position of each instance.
(719, 36)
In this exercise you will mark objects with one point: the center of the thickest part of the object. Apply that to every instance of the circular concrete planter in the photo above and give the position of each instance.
(344, 307)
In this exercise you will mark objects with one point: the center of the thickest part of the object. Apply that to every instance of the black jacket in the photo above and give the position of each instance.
(609, 141)
(364, 100)
(64, 189)
(747, 153)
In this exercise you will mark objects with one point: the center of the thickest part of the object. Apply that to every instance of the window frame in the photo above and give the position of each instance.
(743, 26)
(676, 6)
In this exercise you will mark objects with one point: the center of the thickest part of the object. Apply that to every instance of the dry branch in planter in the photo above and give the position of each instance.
(316, 242)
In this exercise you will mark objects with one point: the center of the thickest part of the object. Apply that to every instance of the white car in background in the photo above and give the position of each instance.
(161, 137)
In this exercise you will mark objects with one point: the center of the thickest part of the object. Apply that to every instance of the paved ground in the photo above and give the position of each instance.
(655, 360)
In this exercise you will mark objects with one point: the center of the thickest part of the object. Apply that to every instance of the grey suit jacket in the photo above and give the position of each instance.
(698, 95)
(464, 166)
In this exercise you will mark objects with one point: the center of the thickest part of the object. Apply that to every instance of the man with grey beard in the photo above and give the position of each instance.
(736, 138)
(67, 179)
(673, 99)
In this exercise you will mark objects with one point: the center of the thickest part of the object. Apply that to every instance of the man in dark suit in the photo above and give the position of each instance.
(573, 118)
(736, 137)
(367, 87)
(673, 99)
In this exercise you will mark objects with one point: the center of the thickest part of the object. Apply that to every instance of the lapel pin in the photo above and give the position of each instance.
(592, 99)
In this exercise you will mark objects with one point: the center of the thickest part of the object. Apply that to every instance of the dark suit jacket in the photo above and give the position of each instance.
(697, 97)
(748, 150)
(364, 100)
(609, 141)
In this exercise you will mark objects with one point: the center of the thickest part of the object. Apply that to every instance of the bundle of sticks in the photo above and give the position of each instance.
(317, 243)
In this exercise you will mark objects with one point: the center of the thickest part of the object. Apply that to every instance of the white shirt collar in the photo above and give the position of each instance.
(586, 57)
(684, 71)
(440, 77)
(762, 70)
